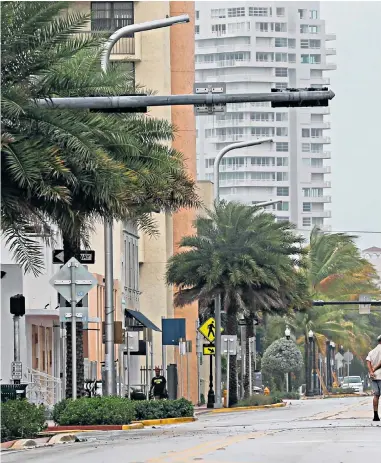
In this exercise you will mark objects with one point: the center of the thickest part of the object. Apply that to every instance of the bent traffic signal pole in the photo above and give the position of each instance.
(286, 98)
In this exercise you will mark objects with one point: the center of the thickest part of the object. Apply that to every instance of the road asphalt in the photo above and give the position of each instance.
(309, 431)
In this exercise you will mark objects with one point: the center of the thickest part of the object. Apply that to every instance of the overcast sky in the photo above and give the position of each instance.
(356, 117)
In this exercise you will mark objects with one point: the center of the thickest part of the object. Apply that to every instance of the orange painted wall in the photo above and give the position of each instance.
(182, 80)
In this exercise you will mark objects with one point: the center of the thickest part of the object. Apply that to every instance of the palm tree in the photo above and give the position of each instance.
(248, 258)
(69, 168)
(335, 271)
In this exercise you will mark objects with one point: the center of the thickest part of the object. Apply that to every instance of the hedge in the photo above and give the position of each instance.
(21, 419)
(117, 410)
(259, 399)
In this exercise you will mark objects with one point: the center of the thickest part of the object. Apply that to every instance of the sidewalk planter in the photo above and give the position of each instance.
(21, 420)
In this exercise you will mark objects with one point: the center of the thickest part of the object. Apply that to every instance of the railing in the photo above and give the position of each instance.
(124, 46)
(42, 388)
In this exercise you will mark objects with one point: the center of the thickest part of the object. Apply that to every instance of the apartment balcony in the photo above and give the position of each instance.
(223, 48)
(328, 66)
(320, 213)
(320, 125)
(322, 140)
(325, 110)
(320, 81)
(319, 184)
(247, 122)
(320, 170)
(330, 51)
(330, 37)
(317, 199)
(249, 182)
(126, 48)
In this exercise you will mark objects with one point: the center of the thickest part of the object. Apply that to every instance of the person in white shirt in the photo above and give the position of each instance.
(374, 367)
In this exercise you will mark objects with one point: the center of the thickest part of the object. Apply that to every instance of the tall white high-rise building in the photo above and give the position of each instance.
(254, 47)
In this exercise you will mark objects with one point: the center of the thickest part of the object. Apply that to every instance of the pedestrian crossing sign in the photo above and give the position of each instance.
(209, 350)
(208, 329)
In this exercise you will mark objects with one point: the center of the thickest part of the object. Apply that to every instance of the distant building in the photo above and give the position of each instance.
(254, 47)
(373, 255)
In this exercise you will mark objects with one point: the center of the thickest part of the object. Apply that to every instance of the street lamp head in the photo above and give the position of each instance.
(310, 335)
(287, 332)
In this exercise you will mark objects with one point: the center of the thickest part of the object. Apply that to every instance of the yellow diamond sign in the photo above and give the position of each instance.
(208, 329)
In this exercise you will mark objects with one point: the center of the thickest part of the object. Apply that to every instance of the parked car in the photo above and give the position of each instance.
(353, 382)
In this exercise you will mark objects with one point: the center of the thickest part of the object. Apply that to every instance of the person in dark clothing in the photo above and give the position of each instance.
(158, 385)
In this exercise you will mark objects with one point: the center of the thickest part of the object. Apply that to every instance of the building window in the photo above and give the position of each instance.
(291, 43)
(236, 12)
(282, 219)
(316, 133)
(316, 162)
(306, 221)
(219, 29)
(302, 14)
(281, 117)
(262, 161)
(283, 206)
(315, 43)
(282, 146)
(283, 191)
(218, 13)
(256, 11)
(304, 43)
(280, 42)
(197, 29)
(110, 16)
(282, 162)
(262, 131)
(264, 27)
(262, 176)
(281, 57)
(282, 176)
(313, 29)
(312, 192)
(291, 58)
(280, 12)
(316, 147)
(197, 14)
(314, 14)
(262, 117)
(235, 28)
(281, 85)
(264, 57)
(280, 27)
(282, 132)
(305, 133)
(317, 221)
(307, 207)
(306, 147)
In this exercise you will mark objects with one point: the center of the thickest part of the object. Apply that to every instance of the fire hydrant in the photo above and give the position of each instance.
(266, 391)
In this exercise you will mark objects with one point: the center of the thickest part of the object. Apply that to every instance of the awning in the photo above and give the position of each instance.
(142, 319)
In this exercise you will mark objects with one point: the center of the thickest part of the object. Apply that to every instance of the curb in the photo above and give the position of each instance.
(243, 409)
(67, 434)
(168, 421)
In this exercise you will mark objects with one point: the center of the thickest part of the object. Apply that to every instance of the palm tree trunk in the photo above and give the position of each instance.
(72, 249)
(249, 363)
(232, 328)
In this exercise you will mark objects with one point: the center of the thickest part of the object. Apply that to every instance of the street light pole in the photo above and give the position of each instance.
(287, 333)
(217, 341)
(108, 225)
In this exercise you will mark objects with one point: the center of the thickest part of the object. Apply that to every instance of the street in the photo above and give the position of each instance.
(331, 430)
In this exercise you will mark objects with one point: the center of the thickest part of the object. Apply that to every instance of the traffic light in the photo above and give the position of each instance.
(301, 103)
(142, 109)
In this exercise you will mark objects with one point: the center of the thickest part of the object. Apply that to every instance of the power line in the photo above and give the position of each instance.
(360, 232)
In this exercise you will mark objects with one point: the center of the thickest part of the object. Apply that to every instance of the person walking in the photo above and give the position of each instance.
(158, 385)
(374, 367)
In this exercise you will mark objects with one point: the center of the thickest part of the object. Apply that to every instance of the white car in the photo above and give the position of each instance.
(353, 382)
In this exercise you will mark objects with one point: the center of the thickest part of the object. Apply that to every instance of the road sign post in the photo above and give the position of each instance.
(230, 341)
(73, 282)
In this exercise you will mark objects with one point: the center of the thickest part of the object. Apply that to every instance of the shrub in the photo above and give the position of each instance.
(151, 410)
(96, 410)
(340, 390)
(21, 419)
(117, 410)
(290, 395)
(259, 399)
